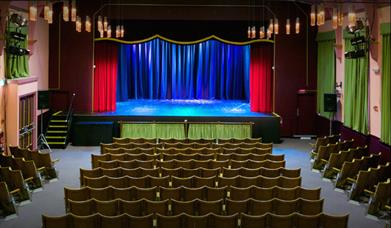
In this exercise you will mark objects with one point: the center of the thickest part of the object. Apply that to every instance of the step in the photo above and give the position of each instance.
(59, 121)
(56, 143)
(57, 132)
(58, 126)
(56, 137)
(57, 113)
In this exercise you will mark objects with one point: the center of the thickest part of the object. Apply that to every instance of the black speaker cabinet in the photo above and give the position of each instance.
(330, 102)
(43, 99)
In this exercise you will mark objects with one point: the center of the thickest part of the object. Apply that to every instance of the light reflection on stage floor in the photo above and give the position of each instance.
(211, 108)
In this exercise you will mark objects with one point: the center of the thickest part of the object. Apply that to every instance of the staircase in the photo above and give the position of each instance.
(57, 134)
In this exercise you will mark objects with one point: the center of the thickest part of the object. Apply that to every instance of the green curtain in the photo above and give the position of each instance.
(237, 131)
(16, 66)
(325, 69)
(168, 131)
(356, 91)
(141, 130)
(219, 131)
(385, 135)
(202, 131)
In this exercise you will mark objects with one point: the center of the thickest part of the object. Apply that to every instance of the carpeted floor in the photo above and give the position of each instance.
(50, 201)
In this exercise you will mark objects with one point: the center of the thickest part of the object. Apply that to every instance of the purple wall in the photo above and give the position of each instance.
(374, 144)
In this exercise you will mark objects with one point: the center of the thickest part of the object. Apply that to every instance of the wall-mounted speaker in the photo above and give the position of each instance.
(330, 102)
(43, 99)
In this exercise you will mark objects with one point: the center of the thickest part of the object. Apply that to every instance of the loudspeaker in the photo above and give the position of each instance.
(330, 102)
(43, 99)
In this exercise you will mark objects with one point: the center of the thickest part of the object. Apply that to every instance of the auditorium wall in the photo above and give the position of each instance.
(376, 17)
(38, 45)
(71, 65)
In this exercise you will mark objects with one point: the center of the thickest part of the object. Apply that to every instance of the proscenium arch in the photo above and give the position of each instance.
(180, 42)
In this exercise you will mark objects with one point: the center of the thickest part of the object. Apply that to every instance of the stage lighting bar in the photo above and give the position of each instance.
(355, 54)
(18, 36)
(17, 51)
(19, 20)
(357, 40)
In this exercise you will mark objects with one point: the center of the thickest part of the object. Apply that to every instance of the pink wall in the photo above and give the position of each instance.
(38, 64)
(382, 15)
(39, 47)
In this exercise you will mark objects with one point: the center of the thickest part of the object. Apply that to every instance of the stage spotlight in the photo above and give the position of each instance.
(17, 51)
(355, 54)
(357, 40)
(356, 28)
(19, 20)
(18, 36)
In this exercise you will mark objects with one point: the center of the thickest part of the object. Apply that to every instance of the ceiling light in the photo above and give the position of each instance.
(262, 32)
(33, 11)
(312, 15)
(73, 11)
(65, 10)
(88, 24)
(276, 27)
(288, 26)
(297, 25)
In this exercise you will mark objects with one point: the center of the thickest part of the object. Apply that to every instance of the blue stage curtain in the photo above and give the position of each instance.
(161, 70)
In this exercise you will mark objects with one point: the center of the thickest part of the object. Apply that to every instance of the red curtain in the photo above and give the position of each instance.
(261, 77)
(105, 77)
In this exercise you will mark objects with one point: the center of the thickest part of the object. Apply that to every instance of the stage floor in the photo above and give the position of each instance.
(190, 108)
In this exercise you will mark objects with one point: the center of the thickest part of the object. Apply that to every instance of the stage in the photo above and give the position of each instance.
(265, 125)
(194, 108)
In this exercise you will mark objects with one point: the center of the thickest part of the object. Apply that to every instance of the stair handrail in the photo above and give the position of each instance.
(70, 106)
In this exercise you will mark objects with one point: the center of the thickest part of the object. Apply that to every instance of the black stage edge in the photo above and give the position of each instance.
(267, 127)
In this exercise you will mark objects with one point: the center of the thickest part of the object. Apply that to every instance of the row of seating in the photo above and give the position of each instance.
(336, 160)
(16, 184)
(323, 154)
(21, 172)
(7, 204)
(351, 169)
(183, 172)
(323, 141)
(195, 207)
(357, 172)
(367, 180)
(29, 171)
(187, 150)
(173, 140)
(189, 164)
(183, 157)
(211, 220)
(146, 145)
(380, 198)
(186, 194)
(193, 181)
(43, 161)
(201, 150)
